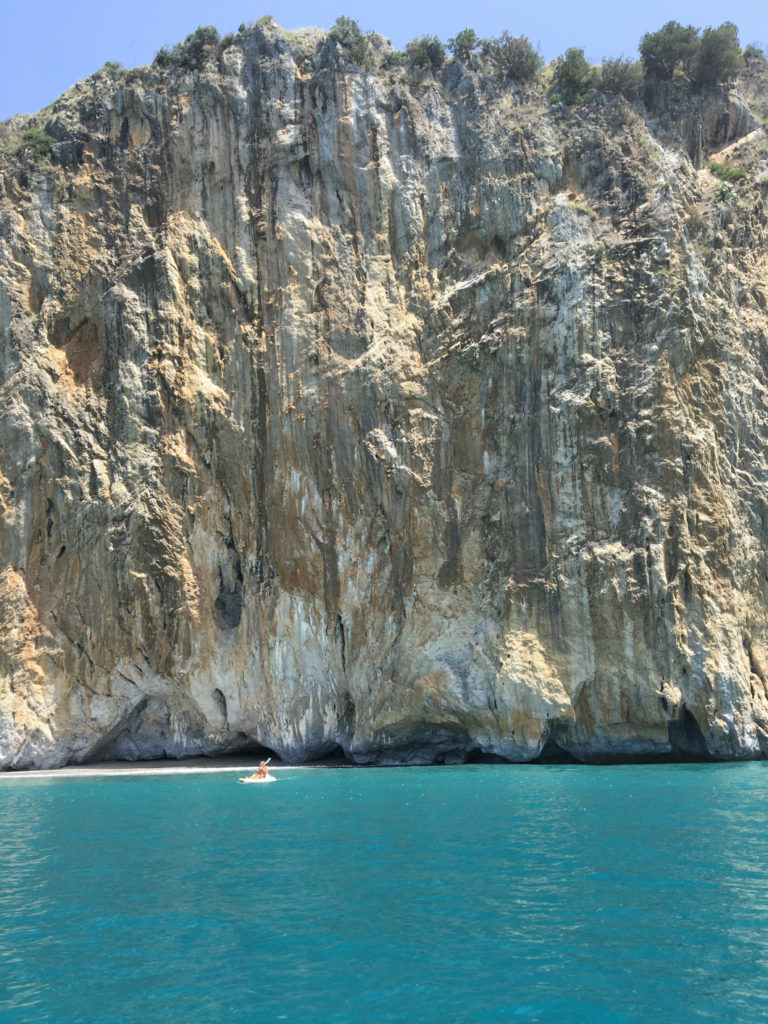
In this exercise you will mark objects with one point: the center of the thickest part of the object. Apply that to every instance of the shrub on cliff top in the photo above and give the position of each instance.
(672, 49)
(425, 54)
(621, 76)
(347, 34)
(193, 52)
(462, 44)
(394, 59)
(572, 77)
(513, 56)
(719, 56)
(705, 59)
(754, 52)
(198, 45)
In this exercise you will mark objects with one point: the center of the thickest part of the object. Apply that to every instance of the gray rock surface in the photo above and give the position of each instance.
(425, 421)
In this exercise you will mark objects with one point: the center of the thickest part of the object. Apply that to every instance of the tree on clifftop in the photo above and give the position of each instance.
(621, 76)
(673, 48)
(347, 34)
(425, 54)
(572, 76)
(513, 56)
(719, 57)
(705, 59)
(462, 45)
(197, 46)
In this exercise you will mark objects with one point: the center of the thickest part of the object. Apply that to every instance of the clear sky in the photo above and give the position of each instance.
(47, 45)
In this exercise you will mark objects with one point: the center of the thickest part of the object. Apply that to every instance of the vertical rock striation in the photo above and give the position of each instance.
(424, 422)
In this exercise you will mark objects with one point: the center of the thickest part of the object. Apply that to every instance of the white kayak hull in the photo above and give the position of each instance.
(267, 778)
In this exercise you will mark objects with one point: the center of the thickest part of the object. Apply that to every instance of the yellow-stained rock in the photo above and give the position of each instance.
(422, 421)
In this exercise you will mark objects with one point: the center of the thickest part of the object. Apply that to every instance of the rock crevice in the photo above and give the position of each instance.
(422, 422)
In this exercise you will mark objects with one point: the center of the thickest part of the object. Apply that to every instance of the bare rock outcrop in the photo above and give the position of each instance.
(420, 422)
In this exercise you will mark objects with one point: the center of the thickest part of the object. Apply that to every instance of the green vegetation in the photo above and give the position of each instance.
(425, 54)
(726, 193)
(193, 52)
(681, 52)
(347, 34)
(37, 142)
(719, 55)
(463, 44)
(621, 76)
(513, 56)
(198, 45)
(163, 58)
(395, 59)
(572, 77)
(676, 53)
(669, 51)
(725, 173)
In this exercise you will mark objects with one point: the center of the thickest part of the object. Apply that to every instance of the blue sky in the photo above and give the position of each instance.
(47, 46)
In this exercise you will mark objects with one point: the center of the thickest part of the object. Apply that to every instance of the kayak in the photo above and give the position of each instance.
(267, 778)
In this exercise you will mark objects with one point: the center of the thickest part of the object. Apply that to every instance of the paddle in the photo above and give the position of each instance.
(252, 779)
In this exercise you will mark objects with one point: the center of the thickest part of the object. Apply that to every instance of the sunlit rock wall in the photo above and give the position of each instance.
(421, 421)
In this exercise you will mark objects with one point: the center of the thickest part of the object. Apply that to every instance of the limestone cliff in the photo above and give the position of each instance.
(425, 421)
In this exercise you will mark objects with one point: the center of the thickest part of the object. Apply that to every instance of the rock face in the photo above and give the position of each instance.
(425, 422)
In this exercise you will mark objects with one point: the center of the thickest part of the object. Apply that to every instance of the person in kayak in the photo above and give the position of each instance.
(261, 772)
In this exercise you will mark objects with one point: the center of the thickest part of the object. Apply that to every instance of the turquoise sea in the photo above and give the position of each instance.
(542, 893)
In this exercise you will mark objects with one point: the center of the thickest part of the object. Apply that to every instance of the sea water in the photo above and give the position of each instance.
(466, 894)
